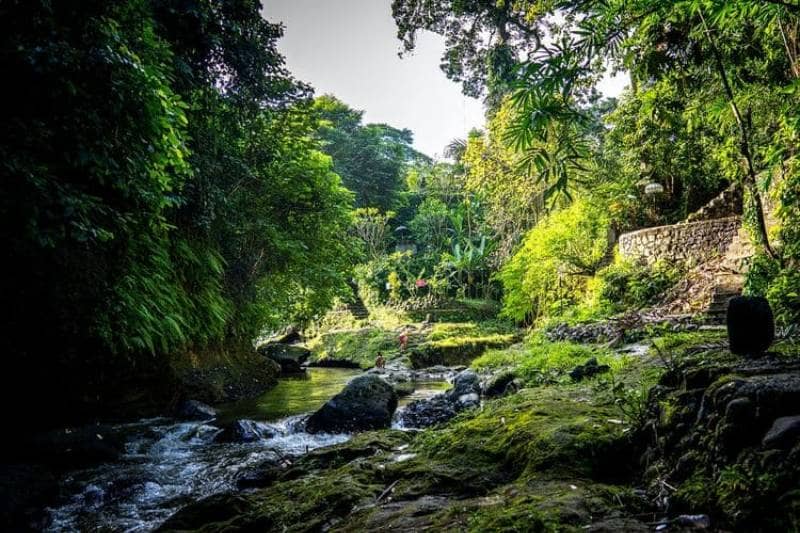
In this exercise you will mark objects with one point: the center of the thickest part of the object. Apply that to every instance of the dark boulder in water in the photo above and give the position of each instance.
(465, 394)
(289, 356)
(194, 410)
(367, 402)
(430, 412)
(465, 383)
(751, 325)
(244, 431)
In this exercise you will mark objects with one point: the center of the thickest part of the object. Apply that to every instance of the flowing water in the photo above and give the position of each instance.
(168, 464)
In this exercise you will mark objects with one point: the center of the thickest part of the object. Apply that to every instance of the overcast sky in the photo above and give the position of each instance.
(348, 48)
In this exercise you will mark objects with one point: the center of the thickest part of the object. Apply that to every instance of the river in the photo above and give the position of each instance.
(168, 463)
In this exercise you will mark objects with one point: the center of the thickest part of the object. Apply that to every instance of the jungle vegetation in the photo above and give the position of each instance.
(169, 189)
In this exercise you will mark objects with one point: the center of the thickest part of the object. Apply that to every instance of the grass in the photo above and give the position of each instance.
(357, 345)
(440, 343)
(538, 360)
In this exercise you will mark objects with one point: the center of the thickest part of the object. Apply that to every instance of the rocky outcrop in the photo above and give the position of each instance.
(367, 402)
(290, 357)
(466, 393)
(726, 438)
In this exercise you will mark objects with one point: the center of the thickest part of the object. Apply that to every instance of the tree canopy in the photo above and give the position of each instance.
(372, 159)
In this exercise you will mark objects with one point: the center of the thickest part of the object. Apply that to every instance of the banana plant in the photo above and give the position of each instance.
(467, 263)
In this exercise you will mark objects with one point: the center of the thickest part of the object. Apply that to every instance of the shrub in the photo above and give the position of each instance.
(557, 257)
(781, 286)
(625, 285)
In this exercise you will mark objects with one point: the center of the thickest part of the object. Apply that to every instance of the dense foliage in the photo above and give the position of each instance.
(555, 260)
(713, 100)
(161, 190)
(371, 159)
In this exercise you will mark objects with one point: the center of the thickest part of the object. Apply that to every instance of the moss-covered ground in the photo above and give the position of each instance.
(555, 456)
(429, 343)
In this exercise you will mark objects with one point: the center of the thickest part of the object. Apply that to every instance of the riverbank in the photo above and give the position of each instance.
(600, 454)
(661, 424)
(132, 476)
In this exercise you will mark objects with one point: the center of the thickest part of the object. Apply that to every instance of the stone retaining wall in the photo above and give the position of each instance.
(686, 242)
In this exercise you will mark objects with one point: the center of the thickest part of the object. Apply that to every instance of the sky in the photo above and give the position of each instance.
(349, 48)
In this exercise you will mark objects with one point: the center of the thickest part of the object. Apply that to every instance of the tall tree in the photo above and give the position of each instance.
(484, 39)
(161, 191)
(372, 159)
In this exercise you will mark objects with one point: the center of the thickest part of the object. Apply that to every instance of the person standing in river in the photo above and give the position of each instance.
(380, 362)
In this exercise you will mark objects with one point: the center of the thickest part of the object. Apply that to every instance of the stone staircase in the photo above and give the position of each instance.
(356, 305)
(737, 256)
(730, 282)
(721, 295)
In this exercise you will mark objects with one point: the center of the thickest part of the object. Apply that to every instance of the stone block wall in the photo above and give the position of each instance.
(686, 242)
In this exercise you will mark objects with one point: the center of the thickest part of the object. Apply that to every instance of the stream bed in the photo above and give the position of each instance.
(168, 464)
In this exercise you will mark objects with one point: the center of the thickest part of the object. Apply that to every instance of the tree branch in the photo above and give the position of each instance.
(751, 180)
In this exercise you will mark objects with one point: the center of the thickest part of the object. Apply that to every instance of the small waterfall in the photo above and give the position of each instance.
(167, 465)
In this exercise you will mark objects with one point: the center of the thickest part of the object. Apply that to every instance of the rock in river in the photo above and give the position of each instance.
(289, 356)
(442, 407)
(194, 410)
(367, 402)
(244, 431)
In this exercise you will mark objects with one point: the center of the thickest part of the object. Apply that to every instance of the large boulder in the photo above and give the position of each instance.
(367, 402)
(290, 356)
(496, 385)
(465, 383)
(751, 325)
(784, 433)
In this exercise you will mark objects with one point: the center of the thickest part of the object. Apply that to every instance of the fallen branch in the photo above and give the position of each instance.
(387, 491)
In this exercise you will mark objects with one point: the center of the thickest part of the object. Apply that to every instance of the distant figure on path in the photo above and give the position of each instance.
(403, 338)
(380, 362)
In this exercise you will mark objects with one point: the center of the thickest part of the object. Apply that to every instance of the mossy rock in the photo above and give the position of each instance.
(457, 351)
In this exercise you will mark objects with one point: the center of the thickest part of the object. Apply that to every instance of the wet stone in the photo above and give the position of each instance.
(784, 433)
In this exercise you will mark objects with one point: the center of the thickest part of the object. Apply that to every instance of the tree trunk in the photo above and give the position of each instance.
(750, 179)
